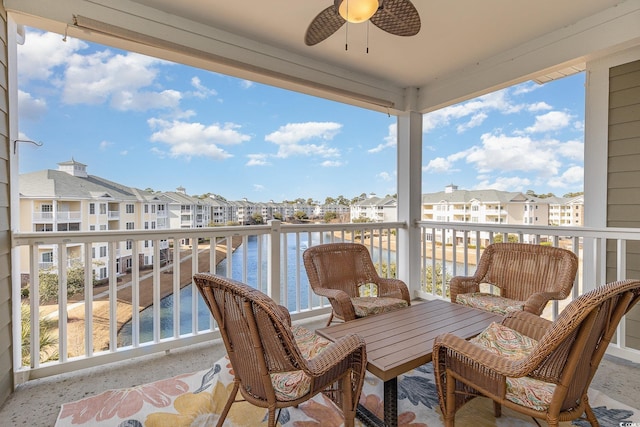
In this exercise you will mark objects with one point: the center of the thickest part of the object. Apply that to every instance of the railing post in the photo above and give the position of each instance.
(273, 261)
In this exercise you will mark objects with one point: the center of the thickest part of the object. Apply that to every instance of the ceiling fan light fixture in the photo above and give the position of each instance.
(356, 11)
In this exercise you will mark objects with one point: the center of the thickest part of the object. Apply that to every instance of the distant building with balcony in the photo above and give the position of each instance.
(69, 199)
(375, 209)
(500, 207)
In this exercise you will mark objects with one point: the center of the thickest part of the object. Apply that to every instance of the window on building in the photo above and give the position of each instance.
(93, 252)
(92, 208)
(146, 225)
(130, 225)
(47, 256)
(153, 225)
(146, 208)
(130, 208)
(103, 251)
(103, 227)
(153, 209)
(43, 227)
(129, 245)
(92, 228)
(103, 208)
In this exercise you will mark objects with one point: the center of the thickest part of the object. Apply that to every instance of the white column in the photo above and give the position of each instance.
(409, 197)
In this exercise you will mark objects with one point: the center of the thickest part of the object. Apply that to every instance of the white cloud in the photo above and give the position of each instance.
(331, 164)
(496, 101)
(390, 141)
(438, 165)
(120, 79)
(195, 139)
(504, 184)
(573, 175)
(573, 150)
(201, 90)
(258, 187)
(104, 145)
(475, 121)
(551, 121)
(30, 107)
(257, 160)
(539, 106)
(289, 138)
(42, 52)
(385, 176)
(513, 153)
(246, 84)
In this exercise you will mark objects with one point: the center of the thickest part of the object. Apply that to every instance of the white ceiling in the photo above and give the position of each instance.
(464, 47)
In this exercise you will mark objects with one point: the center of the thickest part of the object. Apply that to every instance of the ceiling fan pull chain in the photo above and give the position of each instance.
(346, 36)
(368, 36)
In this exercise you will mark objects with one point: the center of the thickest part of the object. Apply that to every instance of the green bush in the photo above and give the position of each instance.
(49, 283)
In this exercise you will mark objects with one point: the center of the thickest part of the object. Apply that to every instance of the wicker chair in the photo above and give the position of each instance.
(528, 276)
(277, 365)
(338, 271)
(531, 365)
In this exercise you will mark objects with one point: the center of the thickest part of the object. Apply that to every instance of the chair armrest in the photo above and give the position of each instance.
(340, 301)
(527, 324)
(393, 288)
(536, 302)
(462, 285)
(343, 348)
(285, 315)
(474, 358)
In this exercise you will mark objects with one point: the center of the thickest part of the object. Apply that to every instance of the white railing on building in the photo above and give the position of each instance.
(269, 258)
(274, 266)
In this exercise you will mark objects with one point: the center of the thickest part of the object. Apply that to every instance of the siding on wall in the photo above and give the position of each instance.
(6, 348)
(623, 177)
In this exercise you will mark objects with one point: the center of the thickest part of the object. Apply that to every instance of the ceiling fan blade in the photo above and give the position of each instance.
(398, 17)
(323, 25)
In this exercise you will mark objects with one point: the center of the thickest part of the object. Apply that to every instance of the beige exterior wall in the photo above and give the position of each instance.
(6, 349)
(623, 177)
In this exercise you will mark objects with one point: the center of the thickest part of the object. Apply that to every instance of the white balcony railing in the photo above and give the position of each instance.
(89, 329)
(106, 325)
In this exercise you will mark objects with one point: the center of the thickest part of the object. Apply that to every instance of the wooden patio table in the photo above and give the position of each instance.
(402, 340)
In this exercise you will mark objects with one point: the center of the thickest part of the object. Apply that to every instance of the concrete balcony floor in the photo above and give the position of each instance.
(37, 403)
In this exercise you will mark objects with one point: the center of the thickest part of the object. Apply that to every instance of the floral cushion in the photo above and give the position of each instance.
(530, 392)
(366, 306)
(505, 341)
(525, 391)
(490, 302)
(295, 384)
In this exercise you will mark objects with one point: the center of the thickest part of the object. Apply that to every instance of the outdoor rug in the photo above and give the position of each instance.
(196, 399)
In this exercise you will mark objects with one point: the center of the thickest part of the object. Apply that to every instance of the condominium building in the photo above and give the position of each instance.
(375, 209)
(69, 199)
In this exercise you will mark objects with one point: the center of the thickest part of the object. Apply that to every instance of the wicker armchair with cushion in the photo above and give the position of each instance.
(341, 271)
(277, 365)
(527, 276)
(529, 364)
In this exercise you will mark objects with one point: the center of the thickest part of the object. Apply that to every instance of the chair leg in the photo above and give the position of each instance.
(450, 401)
(591, 417)
(497, 409)
(272, 417)
(330, 318)
(230, 400)
(347, 401)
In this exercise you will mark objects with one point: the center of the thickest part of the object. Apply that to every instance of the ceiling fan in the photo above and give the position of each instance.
(398, 17)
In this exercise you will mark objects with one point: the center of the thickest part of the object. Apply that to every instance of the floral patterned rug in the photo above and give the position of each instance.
(196, 399)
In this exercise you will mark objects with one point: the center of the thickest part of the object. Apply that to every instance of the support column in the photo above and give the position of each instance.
(409, 198)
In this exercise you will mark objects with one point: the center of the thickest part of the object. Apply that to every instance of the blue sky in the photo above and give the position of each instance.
(149, 123)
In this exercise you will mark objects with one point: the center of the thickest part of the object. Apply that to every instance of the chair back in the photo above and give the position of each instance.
(342, 266)
(579, 339)
(257, 337)
(522, 269)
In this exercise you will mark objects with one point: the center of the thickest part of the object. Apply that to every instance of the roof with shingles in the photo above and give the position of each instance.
(61, 185)
(466, 196)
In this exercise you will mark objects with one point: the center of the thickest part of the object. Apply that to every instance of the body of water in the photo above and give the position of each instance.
(237, 262)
